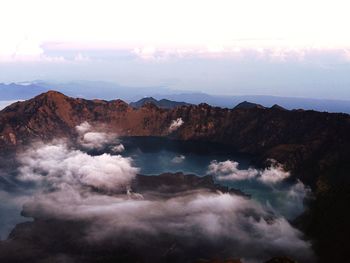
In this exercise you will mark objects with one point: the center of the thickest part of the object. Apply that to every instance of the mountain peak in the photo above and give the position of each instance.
(51, 95)
(277, 107)
(249, 105)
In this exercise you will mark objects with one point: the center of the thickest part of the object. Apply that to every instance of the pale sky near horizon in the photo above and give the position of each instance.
(289, 48)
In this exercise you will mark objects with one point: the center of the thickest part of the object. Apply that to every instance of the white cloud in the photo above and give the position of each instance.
(89, 138)
(118, 148)
(273, 174)
(83, 127)
(59, 166)
(231, 25)
(200, 217)
(229, 171)
(194, 217)
(175, 124)
(284, 199)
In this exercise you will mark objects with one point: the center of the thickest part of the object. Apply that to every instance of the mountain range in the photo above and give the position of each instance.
(163, 103)
(108, 91)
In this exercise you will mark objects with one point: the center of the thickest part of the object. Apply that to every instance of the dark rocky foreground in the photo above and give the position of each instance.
(315, 146)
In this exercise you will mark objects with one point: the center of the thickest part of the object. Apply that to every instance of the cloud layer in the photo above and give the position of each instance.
(237, 226)
(268, 185)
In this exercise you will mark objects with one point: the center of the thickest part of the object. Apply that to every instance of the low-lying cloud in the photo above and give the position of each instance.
(229, 171)
(175, 124)
(239, 226)
(57, 165)
(97, 190)
(90, 138)
(236, 226)
(178, 159)
(266, 185)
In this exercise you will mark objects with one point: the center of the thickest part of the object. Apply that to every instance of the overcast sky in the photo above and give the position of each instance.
(287, 48)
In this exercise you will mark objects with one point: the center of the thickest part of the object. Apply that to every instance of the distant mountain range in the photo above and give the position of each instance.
(110, 91)
(163, 103)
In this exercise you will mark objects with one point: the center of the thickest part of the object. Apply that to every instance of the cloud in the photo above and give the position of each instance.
(229, 171)
(175, 124)
(89, 138)
(83, 127)
(236, 226)
(285, 199)
(199, 218)
(178, 159)
(118, 148)
(273, 174)
(58, 166)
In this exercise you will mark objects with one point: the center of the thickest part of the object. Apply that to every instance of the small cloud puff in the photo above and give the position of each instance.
(118, 148)
(175, 124)
(273, 174)
(178, 159)
(92, 139)
(229, 170)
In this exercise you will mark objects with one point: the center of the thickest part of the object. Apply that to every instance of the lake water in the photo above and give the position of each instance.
(156, 155)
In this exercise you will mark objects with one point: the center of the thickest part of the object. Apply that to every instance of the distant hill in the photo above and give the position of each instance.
(163, 103)
(277, 107)
(14, 91)
(249, 105)
(289, 103)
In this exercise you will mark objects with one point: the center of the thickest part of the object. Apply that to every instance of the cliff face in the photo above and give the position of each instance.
(51, 115)
(307, 142)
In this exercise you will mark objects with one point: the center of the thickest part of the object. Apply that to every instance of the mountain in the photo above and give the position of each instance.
(163, 103)
(297, 138)
(314, 146)
(277, 107)
(13, 91)
(289, 103)
(85, 89)
(248, 105)
(109, 90)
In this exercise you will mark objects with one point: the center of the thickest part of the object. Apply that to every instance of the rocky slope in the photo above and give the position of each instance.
(307, 142)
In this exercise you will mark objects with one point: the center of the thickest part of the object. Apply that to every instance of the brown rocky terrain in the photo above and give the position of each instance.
(309, 143)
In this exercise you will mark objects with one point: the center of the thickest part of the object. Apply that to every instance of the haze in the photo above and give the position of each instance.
(284, 48)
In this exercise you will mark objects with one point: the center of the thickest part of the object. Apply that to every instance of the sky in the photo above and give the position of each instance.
(272, 47)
